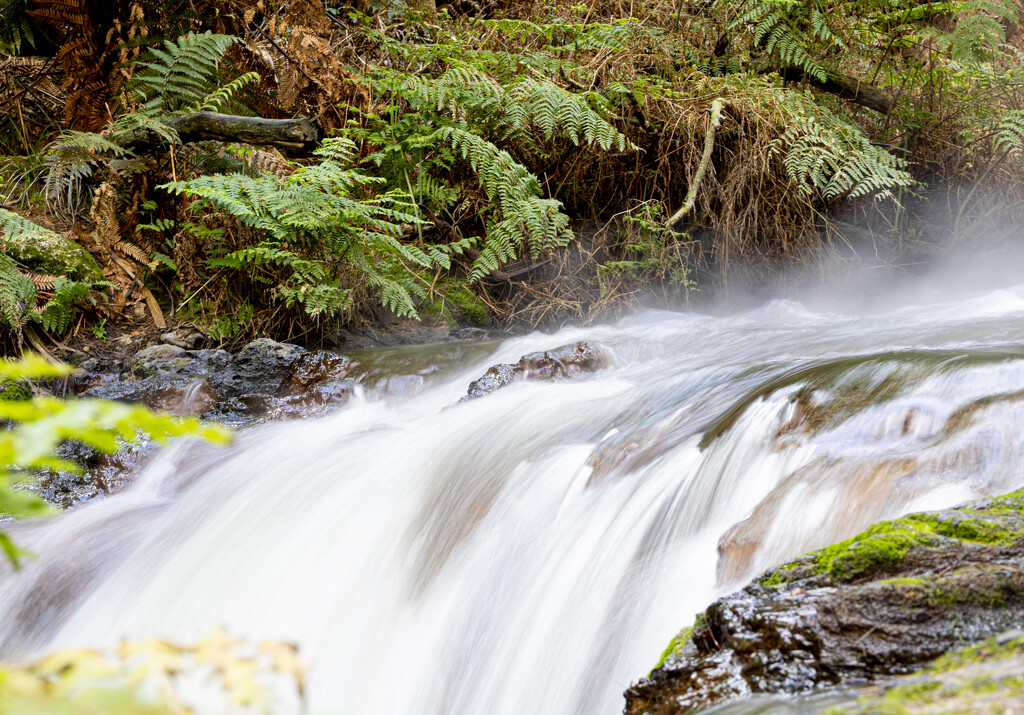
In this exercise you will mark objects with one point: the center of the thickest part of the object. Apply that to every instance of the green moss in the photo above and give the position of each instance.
(883, 544)
(675, 646)
(998, 521)
(455, 303)
(957, 682)
(978, 653)
(14, 391)
(52, 254)
(468, 304)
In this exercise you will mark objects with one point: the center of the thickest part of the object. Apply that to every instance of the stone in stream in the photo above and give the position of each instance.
(263, 375)
(565, 361)
(882, 603)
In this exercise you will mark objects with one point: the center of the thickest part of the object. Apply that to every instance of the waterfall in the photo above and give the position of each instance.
(534, 550)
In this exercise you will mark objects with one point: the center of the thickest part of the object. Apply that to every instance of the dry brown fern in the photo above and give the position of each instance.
(104, 214)
(132, 251)
(43, 282)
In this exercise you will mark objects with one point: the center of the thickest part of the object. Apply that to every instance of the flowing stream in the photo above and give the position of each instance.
(534, 550)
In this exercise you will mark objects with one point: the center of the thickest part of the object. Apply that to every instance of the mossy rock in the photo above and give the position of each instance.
(456, 304)
(885, 545)
(11, 391)
(986, 677)
(884, 602)
(50, 253)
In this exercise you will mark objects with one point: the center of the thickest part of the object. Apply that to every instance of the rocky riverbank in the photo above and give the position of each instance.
(882, 603)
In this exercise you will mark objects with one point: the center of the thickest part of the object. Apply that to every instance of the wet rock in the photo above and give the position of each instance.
(882, 603)
(313, 368)
(259, 368)
(214, 359)
(160, 360)
(186, 338)
(565, 361)
(981, 678)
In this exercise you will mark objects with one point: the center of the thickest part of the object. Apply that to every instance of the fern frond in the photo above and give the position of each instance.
(220, 97)
(181, 75)
(132, 251)
(825, 154)
(1010, 132)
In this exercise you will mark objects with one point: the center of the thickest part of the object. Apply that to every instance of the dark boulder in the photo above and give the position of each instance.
(259, 368)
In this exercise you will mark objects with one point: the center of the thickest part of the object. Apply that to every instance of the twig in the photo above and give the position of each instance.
(709, 144)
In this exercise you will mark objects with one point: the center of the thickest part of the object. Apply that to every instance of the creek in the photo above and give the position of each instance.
(534, 550)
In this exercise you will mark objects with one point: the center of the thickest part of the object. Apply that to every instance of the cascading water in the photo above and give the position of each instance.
(533, 551)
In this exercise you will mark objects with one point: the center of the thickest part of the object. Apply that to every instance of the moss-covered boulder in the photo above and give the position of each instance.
(890, 599)
(45, 251)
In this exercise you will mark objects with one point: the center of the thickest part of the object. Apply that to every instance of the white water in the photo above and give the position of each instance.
(534, 550)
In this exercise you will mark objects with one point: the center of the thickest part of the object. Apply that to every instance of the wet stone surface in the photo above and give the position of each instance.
(882, 603)
(562, 362)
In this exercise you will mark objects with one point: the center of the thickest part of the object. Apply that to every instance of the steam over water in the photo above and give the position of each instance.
(533, 551)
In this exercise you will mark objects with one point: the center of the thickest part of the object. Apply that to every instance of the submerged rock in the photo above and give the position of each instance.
(565, 361)
(888, 600)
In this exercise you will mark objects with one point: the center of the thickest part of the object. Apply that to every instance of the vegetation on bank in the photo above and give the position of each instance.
(556, 160)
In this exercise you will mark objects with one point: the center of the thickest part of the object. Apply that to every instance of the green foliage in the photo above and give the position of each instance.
(59, 311)
(39, 425)
(483, 116)
(179, 81)
(308, 223)
(825, 153)
(1010, 132)
(525, 217)
(650, 254)
(17, 29)
(17, 294)
(820, 36)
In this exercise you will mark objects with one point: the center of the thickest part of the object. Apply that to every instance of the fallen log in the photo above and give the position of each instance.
(297, 134)
(845, 86)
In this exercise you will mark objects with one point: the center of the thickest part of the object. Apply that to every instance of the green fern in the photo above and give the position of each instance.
(222, 96)
(180, 79)
(310, 221)
(17, 295)
(59, 311)
(478, 115)
(828, 155)
(1010, 132)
